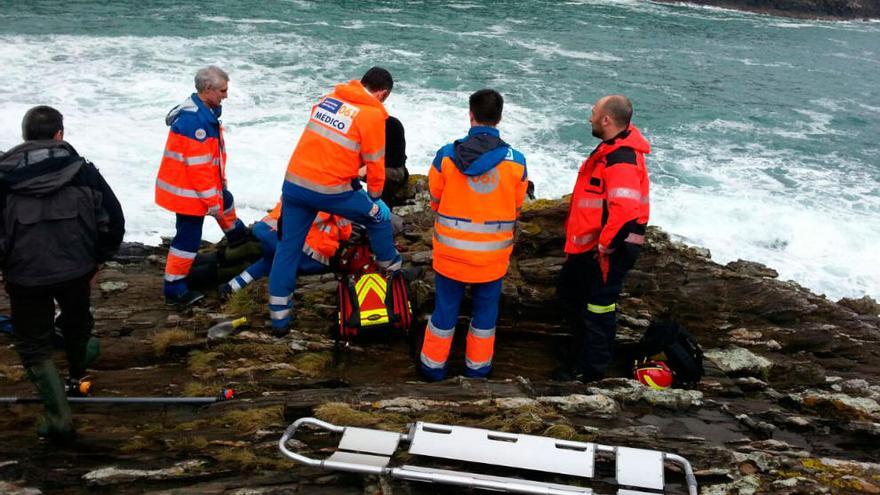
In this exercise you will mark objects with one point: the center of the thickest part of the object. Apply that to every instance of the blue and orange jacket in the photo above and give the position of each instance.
(191, 175)
(346, 130)
(477, 187)
(610, 203)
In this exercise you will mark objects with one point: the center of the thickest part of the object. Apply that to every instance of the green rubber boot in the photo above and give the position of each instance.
(93, 352)
(57, 423)
(81, 355)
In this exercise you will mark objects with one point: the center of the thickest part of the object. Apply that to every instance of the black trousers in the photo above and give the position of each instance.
(590, 304)
(33, 320)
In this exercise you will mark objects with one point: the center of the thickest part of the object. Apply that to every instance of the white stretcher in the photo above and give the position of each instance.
(367, 451)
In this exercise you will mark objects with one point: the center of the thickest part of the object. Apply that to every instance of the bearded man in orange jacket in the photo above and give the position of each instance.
(604, 234)
(346, 130)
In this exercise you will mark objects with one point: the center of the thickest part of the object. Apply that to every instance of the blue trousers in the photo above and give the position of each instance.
(268, 243)
(299, 207)
(447, 301)
(185, 246)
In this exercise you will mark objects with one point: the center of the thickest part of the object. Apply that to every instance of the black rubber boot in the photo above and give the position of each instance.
(57, 423)
(188, 298)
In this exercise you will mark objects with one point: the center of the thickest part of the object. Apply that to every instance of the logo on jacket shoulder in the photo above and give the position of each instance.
(335, 113)
(201, 134)
(485, 183)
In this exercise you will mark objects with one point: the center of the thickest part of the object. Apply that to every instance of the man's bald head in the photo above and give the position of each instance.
(618, 107)
(611, 115)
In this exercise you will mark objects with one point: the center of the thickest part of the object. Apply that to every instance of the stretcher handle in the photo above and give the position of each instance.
(291, 431)
(688, 471)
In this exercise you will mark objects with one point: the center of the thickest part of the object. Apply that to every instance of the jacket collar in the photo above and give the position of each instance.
(483, 129)
(212, 114)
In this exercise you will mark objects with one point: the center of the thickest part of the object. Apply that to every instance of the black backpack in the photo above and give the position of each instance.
(670, 342)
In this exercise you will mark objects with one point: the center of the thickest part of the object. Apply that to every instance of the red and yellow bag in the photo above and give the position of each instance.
(370, 304)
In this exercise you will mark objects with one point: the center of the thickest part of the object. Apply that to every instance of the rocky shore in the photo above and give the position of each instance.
(790, 403)
(803, 9)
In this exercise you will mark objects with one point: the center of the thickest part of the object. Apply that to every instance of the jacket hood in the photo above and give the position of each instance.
(39, 167)
(355, 92)
(194, 104)
(480, 151)
(631, 138)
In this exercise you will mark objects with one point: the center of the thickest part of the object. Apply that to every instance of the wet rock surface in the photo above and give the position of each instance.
(789, 403)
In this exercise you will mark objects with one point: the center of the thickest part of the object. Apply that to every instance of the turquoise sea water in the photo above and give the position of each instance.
(765, 129)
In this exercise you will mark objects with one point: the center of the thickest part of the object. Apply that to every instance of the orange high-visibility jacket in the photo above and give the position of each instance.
(346, 130)
(610, 203)
(477, 188)
(324, 235)
(190, 179)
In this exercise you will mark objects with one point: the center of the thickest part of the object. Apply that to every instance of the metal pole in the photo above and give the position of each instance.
(118, 400)
(193, 401)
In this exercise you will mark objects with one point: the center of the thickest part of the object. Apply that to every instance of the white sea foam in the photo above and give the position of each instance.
(776, 206)
(549, 49)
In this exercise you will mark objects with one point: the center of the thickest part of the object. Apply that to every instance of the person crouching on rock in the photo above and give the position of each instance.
(61, 221)
(604, 234)
(321, 244)
(477, 186)
(346, 129)
(192, 180)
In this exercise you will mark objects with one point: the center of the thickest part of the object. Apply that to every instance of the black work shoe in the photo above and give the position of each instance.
(566, 374)
(225, 291)
(279, 332)
(188, 298)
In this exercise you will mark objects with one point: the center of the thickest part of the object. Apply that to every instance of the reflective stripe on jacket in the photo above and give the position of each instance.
(476, 205)
(346, 130)
(190, 179)
(610, 203)
(324, 235)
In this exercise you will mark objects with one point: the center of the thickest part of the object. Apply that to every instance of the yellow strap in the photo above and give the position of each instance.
(600, 310)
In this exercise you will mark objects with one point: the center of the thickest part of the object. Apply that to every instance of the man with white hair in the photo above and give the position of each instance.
(192, 179)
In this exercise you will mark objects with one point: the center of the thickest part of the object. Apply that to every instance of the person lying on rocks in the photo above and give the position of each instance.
(321, 244)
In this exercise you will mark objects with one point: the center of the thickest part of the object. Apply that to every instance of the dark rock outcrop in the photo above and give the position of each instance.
(811, 9)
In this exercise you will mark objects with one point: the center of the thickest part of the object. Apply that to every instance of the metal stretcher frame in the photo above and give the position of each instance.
(368, 451)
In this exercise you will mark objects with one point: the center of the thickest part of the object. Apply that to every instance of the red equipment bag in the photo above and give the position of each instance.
(370, 304)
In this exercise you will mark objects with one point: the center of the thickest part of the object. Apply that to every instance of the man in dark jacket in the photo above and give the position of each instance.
(60, 222)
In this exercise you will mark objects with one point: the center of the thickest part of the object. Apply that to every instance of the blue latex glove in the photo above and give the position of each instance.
(383, 214)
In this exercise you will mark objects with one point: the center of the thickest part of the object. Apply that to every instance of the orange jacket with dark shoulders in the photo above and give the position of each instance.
(610, 203)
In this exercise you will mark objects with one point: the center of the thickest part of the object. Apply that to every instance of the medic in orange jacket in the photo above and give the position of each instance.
(346, 130)
(477, 186)
(191, 180)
